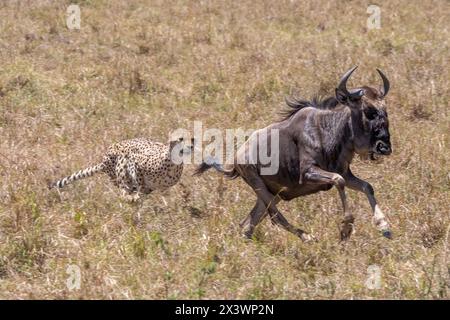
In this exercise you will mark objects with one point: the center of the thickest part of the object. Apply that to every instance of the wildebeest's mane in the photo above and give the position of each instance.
(295, 105)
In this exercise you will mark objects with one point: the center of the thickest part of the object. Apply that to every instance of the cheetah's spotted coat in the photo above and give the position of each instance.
(137, 166)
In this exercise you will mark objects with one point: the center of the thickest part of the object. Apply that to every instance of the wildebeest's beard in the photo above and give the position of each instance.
(378, 128)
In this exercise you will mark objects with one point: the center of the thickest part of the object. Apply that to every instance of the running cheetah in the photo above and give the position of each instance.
(137, 166)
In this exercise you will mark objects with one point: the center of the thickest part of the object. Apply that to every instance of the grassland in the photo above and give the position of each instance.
(142, 68)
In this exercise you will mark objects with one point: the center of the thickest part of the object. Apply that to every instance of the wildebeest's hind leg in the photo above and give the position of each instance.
(360, 185)
(316, 175)
(269, 201)
(255, 216)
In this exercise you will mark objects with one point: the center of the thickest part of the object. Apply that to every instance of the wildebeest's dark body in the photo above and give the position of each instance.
(317, 142)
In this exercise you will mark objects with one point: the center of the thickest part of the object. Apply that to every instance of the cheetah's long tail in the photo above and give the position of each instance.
(90, 171)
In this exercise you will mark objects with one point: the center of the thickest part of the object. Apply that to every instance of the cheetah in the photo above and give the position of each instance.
(137, 166)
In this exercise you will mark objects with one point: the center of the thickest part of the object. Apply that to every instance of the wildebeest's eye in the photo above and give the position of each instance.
(371, 113)
(376, 132)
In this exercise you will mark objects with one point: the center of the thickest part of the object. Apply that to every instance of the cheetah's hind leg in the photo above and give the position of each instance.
(134, 191)
(126, 179)
(135, 188)
(132, 197)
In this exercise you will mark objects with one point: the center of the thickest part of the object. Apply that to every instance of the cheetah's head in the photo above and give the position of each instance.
(182, 145)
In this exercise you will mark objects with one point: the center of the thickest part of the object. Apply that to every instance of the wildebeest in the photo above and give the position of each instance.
(317, 142)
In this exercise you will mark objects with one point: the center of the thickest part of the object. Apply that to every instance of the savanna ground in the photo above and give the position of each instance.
(143, 68)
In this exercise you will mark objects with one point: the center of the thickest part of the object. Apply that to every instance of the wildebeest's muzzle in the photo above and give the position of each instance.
(383, 148)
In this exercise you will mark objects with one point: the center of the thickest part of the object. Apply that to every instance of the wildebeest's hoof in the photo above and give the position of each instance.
(346, 231)
(387, 234)
(247, 234)
(307, 237)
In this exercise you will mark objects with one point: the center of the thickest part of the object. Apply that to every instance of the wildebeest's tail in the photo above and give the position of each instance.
(77, 176)
(213, 163)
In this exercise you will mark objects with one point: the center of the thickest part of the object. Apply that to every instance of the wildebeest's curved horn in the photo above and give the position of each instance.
(343, 83)
(386, 84)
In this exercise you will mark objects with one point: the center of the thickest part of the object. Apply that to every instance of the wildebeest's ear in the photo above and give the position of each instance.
(356, 95)
(345, 97)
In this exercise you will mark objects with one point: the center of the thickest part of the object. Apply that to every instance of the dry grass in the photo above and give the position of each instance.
(143, 68)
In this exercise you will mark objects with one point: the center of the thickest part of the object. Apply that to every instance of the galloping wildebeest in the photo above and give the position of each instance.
(317, 142)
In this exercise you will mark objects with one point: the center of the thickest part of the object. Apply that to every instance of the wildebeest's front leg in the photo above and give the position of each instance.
(360, 185)
(315, 175)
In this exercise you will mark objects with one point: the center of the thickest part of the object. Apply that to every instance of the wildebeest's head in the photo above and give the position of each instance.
(369, 115)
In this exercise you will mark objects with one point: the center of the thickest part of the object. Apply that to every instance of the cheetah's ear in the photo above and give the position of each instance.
(174, 142)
